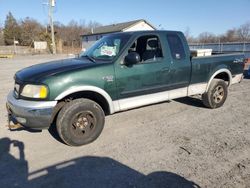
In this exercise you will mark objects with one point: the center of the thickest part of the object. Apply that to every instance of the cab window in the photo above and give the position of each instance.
(176, 47)
(148, 47)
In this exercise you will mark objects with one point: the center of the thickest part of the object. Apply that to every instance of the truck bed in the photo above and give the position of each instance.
(204, 67)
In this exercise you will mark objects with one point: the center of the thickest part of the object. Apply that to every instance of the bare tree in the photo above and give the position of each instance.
(93, 25)
(230, 36)
(70, 33)
(244, 32)
(1, 37)
(207, 37)
(31, 31)
(188, 35)
(241, 34)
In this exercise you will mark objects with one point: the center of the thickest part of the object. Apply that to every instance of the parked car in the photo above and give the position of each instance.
(121, 71)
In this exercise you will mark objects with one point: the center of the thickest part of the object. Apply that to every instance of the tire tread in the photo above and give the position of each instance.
(64, 113)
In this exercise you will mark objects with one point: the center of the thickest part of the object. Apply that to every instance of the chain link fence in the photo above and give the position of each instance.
(223, 47)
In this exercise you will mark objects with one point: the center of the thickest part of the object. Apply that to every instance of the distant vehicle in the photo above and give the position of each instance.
(119, 72)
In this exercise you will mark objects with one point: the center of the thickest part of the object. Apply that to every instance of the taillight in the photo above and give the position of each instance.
(246, 60)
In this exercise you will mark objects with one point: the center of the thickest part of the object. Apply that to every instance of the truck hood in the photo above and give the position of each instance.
(37, 72)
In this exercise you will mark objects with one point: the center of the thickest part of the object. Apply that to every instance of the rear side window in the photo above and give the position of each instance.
(176, 47)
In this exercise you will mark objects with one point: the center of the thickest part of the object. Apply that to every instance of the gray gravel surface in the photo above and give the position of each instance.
(173, 144)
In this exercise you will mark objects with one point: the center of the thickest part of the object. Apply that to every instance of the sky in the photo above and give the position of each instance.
(215, 16)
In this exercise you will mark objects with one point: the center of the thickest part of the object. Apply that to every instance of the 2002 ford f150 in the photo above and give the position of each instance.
(119, 72)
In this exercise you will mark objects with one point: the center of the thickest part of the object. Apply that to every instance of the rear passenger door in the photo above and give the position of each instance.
(180, 66)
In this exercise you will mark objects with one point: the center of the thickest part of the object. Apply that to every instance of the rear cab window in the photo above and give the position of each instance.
(176, 47)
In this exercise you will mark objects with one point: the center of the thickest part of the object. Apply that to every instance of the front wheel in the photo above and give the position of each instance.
(80, 122)
(216, 94)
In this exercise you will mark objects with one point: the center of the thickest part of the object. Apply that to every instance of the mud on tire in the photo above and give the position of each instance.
(216, 94)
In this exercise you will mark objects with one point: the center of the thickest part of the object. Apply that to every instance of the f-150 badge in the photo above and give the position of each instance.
(109, 78)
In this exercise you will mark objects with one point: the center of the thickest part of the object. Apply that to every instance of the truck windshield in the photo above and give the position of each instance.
(107, 48)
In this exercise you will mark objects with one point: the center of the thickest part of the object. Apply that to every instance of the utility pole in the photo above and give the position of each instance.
(51, 8)
(14, 45)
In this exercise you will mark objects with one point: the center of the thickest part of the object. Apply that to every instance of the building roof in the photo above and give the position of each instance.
(119, 27)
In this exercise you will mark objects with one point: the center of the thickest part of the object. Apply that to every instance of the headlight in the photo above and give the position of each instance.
(35, 91)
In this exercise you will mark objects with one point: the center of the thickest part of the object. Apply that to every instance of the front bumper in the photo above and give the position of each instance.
(31, 114)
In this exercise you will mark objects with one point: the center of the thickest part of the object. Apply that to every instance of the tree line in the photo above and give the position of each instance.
(28, 30)
(240, 34)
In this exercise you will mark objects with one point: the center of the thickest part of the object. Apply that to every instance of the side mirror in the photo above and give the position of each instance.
(132, 58)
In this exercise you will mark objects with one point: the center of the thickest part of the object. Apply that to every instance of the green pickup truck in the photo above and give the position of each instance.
(119, 72)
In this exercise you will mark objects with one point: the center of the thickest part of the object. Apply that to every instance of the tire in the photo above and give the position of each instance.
(216, 95)
(80, 122)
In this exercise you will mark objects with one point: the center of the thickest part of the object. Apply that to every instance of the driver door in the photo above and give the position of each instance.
(136, 82)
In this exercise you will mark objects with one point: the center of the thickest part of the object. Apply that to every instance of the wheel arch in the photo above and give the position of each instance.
(91, 92)
(224, 74)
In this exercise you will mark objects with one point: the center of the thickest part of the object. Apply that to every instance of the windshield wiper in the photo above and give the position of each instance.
(90, 58)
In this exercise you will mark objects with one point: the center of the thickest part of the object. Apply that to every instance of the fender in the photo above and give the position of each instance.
(98, 90)
(224, 70)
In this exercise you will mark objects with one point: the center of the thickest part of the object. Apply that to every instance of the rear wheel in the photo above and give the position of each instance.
(216, 94)
(80, 122)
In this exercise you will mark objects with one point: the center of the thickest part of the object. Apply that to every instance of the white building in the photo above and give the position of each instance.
(138, 25)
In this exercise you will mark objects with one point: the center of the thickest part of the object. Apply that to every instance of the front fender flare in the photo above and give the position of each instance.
(98, 90)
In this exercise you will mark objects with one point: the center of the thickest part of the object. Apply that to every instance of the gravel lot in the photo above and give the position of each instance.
(173, 144)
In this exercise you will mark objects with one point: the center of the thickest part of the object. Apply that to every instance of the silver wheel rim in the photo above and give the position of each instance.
(83, 124)
(218, 94)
